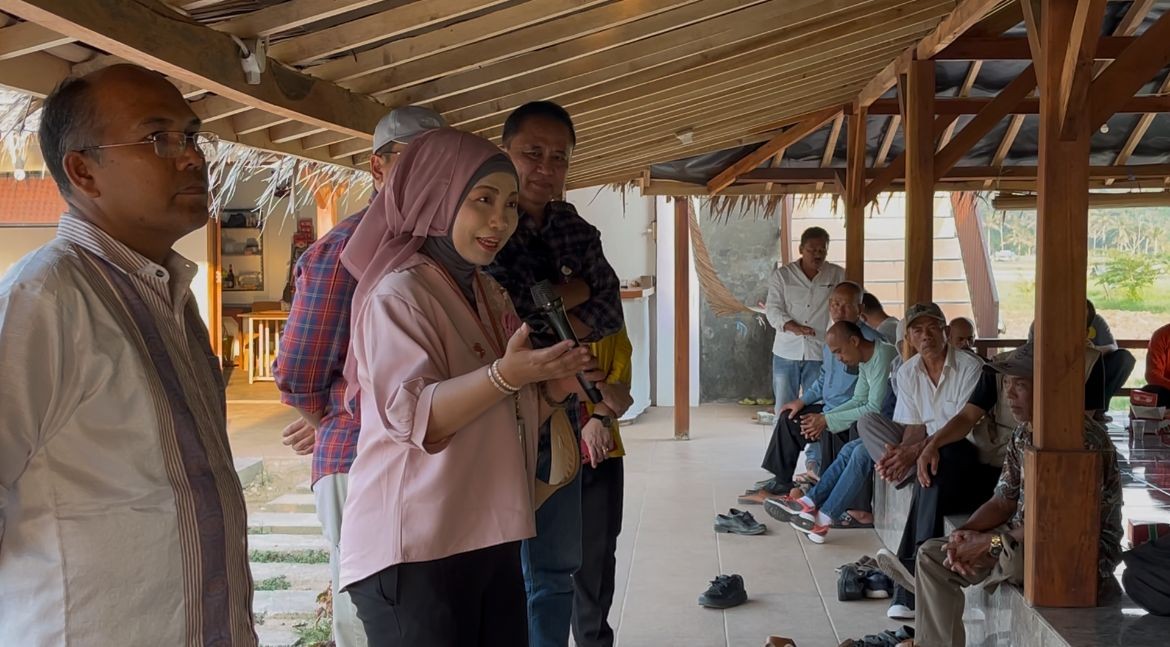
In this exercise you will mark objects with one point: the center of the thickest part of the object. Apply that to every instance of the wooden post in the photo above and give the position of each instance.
(1061, 492)
(787, 204)
(920, 138)
(855, 198)
(682, 319)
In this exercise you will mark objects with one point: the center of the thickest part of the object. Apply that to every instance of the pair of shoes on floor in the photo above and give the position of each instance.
(887, 638)
(889, 564)
(726, 591)
(739, 522)
(902, 606)
(857, 583)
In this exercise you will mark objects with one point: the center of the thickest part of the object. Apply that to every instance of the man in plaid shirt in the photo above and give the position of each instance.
(309, 366)
(552, 242)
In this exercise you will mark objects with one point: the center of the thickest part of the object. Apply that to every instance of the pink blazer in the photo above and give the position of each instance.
(409, 501)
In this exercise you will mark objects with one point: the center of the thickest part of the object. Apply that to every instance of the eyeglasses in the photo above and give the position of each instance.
(170, 144)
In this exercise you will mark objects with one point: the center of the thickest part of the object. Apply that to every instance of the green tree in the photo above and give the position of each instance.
(1131, 273)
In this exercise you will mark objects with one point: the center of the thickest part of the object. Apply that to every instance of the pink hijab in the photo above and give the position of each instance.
(420, 199)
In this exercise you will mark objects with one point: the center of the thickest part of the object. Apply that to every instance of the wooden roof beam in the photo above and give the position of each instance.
(791, 175)
(1076, 71)
(986, 120)
(1132, 69)
(1011, 48)
(1027, 106)
(965, 14)
(371, 29)
(28, 37)
(288, 15)
(785, 139)
(147, 33)
(483, 29)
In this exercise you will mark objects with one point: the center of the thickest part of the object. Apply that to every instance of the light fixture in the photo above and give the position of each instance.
(1104, 129)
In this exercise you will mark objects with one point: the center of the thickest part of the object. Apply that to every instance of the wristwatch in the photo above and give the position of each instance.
(996, 545)
(606, 421)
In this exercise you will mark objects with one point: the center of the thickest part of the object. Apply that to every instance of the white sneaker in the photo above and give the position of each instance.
(889, 563)
(900, 612)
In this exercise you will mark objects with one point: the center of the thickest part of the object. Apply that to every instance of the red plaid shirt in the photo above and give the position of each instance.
(309, 366)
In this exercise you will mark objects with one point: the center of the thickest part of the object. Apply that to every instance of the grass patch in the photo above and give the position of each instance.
(289, 556)
(278, 583)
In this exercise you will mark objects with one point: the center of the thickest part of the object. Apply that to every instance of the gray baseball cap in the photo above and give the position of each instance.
(1018, 363)
(403, 124)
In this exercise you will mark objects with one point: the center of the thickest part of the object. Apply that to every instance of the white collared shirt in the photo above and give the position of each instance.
(922, 402)
(792, 296)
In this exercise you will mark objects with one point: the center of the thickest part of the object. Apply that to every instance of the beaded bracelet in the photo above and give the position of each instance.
(498, 380)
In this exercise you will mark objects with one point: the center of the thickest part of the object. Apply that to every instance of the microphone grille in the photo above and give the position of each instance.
(543, 294)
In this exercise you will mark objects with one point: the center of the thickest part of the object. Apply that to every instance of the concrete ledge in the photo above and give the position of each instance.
(891, 508)
(249, 469)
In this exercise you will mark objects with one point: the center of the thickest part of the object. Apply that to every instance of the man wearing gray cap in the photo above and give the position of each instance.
(312, 354)
(989, 548)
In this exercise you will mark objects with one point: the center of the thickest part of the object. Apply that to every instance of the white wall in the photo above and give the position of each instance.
(626, 228)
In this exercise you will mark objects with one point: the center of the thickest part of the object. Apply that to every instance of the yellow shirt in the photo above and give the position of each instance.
(614, 355)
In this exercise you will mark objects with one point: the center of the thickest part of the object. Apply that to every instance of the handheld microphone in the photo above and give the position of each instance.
(553, 309)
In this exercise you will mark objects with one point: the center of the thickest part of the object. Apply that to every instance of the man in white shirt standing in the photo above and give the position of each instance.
(121, 516)
(933, 386)
(798, 308)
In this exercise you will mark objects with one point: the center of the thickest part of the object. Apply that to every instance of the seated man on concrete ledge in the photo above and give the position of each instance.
(795, 428)
(932, 386)
(988, 549)
(841, 498)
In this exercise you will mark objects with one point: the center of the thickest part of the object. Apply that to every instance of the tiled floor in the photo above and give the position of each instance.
(667, 551)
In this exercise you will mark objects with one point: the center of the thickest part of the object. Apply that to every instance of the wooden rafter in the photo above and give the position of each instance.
(482, 29)
(785, 139)
(1026, 106)
(831, 143)
(1076, 72)
(1015, 48)
(965, 14)
(806, 175)
(963, 91)
(1030, 9)
(1132, 20)
(897, 167)
(288, 15)
(567, 37)
(27, 37)
(1005, 145)
(1132, 69)
(887, 140)
(371, 29)
(201, 56)
(978, 127)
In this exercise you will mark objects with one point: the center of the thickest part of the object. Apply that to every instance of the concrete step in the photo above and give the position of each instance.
(276, 635)
(296, 502)
(288, 543)
(301, 577)
(289, 523)
(249, 469)
(285, 603)
(304, 487)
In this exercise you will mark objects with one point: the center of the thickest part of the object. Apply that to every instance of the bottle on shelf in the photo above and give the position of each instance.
(229, 281)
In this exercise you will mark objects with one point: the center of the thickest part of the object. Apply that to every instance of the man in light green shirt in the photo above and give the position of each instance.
(828, 504)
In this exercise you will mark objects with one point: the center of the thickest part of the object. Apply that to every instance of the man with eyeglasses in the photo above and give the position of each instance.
(121, 516)
(308, 369)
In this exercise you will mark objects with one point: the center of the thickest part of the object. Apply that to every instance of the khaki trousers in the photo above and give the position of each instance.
(329, 492)
(939, 591)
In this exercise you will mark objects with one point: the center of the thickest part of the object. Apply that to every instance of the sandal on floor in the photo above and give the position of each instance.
(808, 478)
(847, 522)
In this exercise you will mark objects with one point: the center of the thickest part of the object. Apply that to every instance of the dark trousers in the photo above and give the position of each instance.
(473, 598)
(961, 485)
(787, 442)
(1118, 366)
(601, 523)
(1162, 392)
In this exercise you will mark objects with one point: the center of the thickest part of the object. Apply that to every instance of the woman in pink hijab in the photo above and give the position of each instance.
(441, 492)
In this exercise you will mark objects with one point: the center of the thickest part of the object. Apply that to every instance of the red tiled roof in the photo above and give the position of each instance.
(33, 200)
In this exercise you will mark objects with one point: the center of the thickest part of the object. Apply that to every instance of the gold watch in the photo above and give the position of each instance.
(996, 548)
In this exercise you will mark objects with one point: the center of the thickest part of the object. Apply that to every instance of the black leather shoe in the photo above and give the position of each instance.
(726, 591)
(739, 522)
(850, 586)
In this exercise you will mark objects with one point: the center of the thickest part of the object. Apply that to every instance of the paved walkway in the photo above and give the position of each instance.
(668, 552)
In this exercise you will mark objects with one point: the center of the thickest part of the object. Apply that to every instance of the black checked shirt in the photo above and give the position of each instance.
(566, 247)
